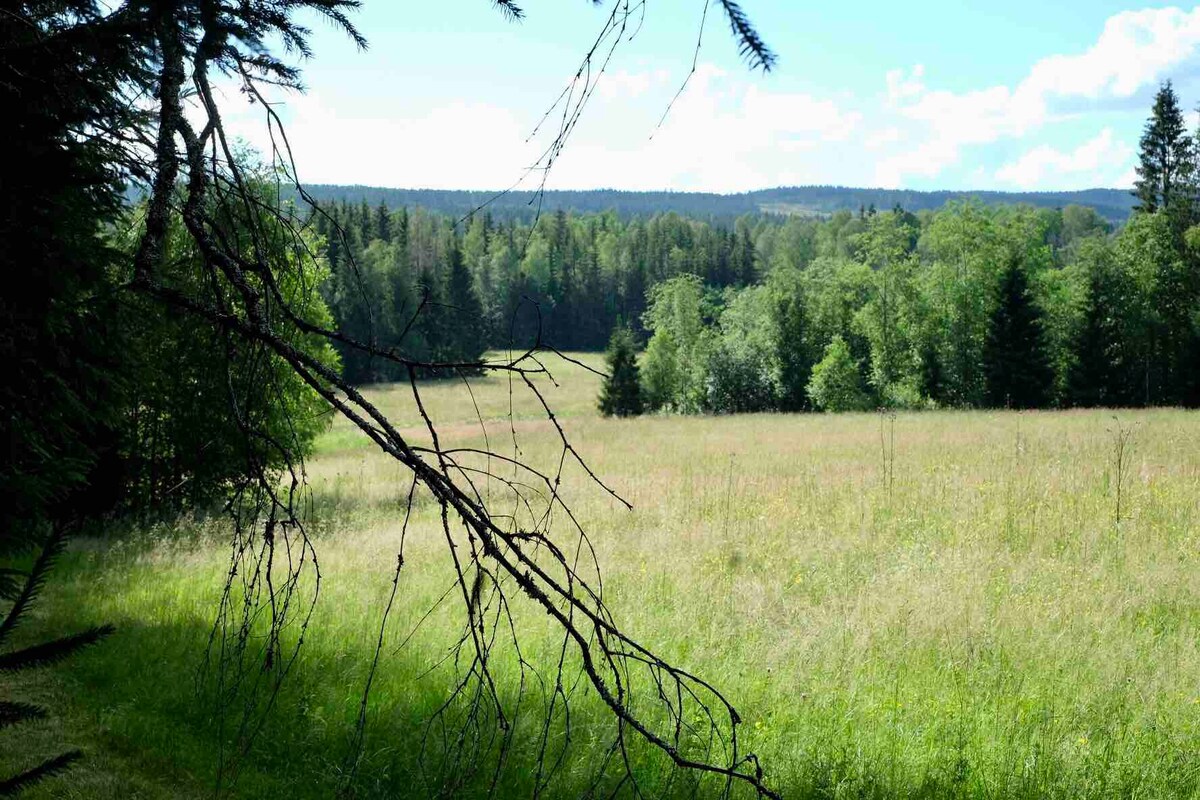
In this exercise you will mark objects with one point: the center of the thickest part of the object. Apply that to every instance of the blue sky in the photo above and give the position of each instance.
(954, 95)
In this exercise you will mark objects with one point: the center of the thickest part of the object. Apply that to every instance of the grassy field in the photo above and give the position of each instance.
(935, 605)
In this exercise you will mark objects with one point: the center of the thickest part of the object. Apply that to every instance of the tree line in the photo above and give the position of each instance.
(1114, 205)
(416, 280)
(969, 306)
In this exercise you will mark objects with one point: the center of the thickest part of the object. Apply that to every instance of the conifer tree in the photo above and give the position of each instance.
(464, 313)
(1099, 376)
(366, 222)
(430, 324)
(621, 395)
(383, 223)
(1014, 359)
(1167, 169)
(742, 257)
(64, 387)
(400, 231)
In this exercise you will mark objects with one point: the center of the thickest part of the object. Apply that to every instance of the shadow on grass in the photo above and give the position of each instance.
(151, 723)
(151, 727)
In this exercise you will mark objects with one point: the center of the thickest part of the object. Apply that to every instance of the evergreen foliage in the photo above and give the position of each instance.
(1112, 205)
(793, 351)
(38, 655)
(1167, 162)
(465, 336)
(63, 389)
(1104, 372)
(621, 394)
(1014, 356)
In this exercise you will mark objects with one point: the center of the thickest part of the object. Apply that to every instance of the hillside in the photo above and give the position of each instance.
(1114, 205)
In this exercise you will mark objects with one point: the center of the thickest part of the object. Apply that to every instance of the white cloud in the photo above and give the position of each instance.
(884, 137)
(902, 86)
(730, 132)
(457, 145)
(1127, 178)
(1102, 155)
(1135, 49)
(724, 133)
(925, 160)
(620, 83)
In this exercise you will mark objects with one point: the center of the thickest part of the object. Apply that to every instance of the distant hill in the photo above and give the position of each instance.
(1113, 204)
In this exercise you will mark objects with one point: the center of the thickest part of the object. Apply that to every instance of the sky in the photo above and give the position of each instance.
(1020, 95)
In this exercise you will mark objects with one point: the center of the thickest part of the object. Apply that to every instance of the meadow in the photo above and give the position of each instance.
(938, 604)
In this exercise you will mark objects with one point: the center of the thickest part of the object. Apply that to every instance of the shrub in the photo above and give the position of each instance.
(836, 383)
(739, 380)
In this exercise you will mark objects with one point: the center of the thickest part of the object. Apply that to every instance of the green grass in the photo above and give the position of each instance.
(984, 628)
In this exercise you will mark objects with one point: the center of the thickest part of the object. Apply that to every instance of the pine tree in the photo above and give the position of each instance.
(464, 315)
(366, 222)
(1167, 169)
(621, 395)
(1095, 378)
(383, 223)
(430, 325)
(1015, 365)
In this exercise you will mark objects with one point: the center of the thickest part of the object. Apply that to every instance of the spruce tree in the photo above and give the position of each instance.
(464, 315)
(1167, 168)
(621, 395)
(400, 231)
(742, 258)
(430, 323)
(366, 222)
(383, 223)
(64, 387)
(1016, 368)
(1096, 375)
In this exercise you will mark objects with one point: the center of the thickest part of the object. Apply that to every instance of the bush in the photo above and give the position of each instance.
(739, 380)
(836, 383)
(203, 415)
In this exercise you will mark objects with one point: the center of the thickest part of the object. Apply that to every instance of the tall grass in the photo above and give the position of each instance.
(967, 618)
